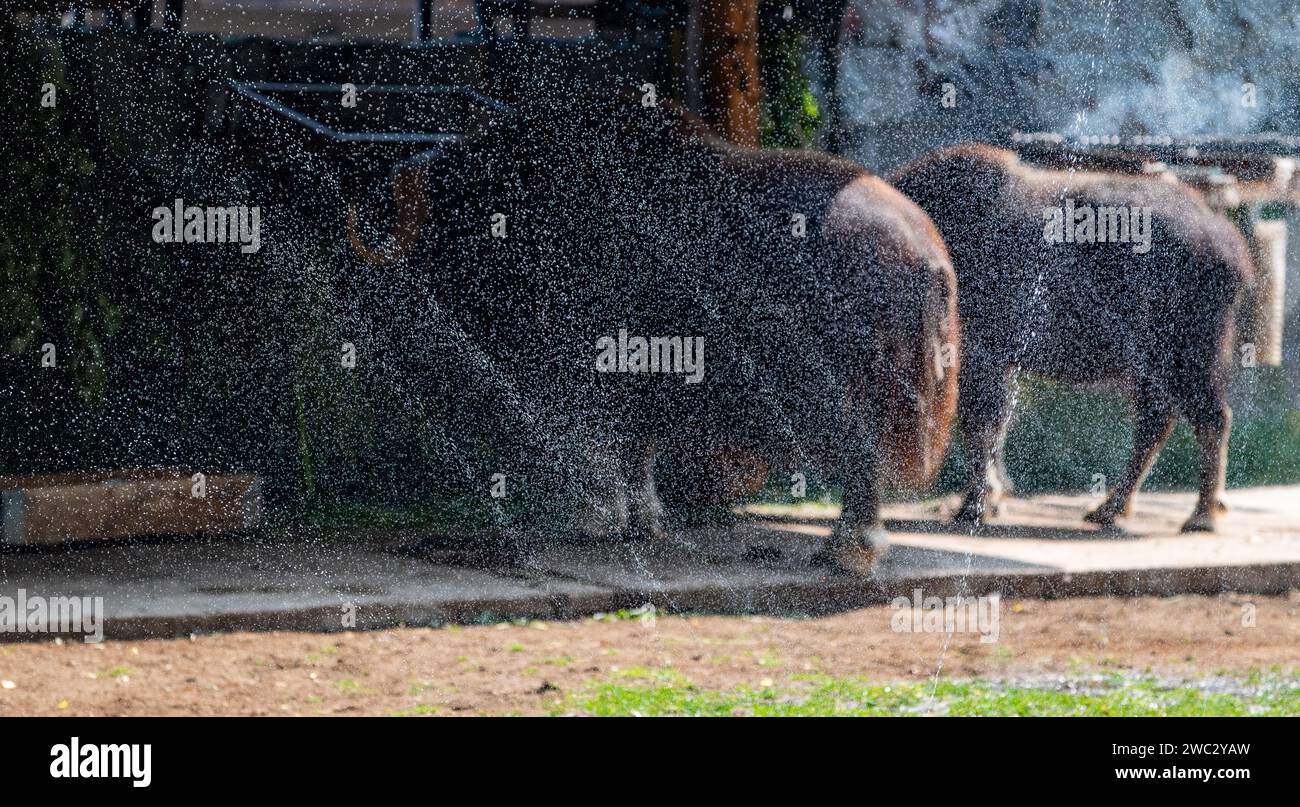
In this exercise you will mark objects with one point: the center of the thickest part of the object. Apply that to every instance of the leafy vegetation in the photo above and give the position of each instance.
(790, 116)
(53, 280)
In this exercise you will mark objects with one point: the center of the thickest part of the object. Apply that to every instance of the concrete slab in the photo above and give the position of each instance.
(304, 580)
(280, 582)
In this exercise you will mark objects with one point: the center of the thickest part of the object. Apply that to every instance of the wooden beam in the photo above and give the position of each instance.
(828, 19)
(54, 508)
(722, 52)
(423, 20)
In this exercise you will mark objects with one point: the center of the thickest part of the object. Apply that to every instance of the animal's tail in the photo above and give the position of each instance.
(918, 399)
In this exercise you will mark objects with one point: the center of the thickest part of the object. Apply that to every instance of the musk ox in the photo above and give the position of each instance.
(813, 302)
(1086, 277)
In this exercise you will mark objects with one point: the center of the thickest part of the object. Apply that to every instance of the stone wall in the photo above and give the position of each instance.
(1080, 67)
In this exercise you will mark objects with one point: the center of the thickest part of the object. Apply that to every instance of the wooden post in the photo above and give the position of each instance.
(173, 15)
(1266, 304)
(722, 67)
(143, 14)
(423, 20)
(829, 17)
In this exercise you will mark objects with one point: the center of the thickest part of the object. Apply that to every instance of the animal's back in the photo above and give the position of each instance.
(1104, 305)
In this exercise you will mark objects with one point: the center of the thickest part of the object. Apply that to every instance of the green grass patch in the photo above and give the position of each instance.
(349, 687)
(644, 613)
(666, 693)
(419, 710)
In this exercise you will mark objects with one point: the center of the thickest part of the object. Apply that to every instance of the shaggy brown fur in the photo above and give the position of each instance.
(1158, 321)
(826, 345)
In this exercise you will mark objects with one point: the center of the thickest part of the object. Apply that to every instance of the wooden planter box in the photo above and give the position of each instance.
(56, 508)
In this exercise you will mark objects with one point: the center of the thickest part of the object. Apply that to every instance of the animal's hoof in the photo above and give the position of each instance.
(1199, 522)
(860, 560)
(969, 516)
(600, 523)
(1102, 516)
(646, 532)
(854, 551)
(646, 521)
(975, 512)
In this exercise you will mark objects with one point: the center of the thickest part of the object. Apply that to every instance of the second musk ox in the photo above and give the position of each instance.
(816, 301)
(1087, 277)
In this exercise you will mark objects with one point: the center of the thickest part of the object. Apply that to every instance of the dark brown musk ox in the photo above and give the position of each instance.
(820, 299)
(1086, 277)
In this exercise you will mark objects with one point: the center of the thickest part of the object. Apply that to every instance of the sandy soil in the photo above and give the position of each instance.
(537, 667)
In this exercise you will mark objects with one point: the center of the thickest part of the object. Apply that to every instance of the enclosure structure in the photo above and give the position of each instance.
(199, 116)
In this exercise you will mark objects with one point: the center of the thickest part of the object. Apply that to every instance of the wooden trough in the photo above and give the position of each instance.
(85, 506)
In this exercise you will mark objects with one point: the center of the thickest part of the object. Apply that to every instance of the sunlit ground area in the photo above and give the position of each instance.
(1150, 656)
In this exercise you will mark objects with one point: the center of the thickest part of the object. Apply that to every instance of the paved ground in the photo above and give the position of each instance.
(309, 581)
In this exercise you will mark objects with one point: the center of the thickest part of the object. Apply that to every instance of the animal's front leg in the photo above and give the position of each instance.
(604, 509)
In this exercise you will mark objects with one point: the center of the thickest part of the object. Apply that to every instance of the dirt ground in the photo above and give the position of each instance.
(538, 668)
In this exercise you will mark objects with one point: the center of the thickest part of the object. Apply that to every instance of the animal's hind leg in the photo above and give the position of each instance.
(1154, 423)
(858, 539)
(984, 404)
(1211, 427)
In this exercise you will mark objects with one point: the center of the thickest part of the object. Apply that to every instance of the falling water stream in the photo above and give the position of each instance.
(1104, 90)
